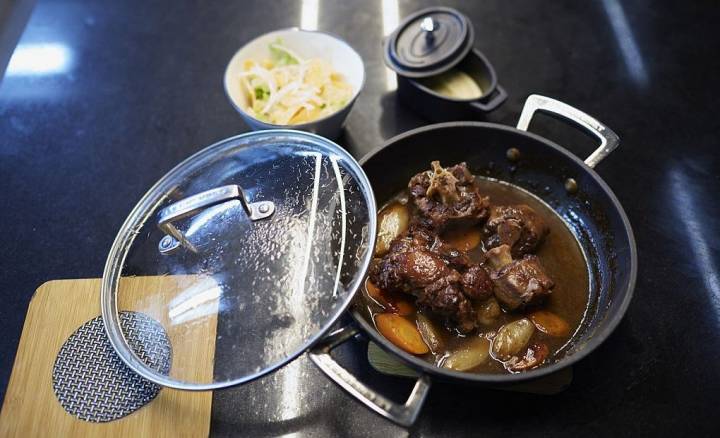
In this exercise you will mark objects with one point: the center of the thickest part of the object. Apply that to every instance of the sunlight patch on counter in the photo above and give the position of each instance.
(40, 59)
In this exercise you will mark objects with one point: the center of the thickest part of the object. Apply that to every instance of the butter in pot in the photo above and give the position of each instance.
(455, 84)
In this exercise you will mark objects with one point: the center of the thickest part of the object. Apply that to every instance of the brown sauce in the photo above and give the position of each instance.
(563, 260)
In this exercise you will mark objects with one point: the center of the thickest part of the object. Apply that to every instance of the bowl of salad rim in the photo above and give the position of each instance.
(270, 98)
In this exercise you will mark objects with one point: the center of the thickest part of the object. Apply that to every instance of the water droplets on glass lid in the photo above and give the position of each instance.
(246, 253)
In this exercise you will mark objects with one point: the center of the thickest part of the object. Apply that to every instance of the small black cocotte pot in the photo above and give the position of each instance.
(439, 73)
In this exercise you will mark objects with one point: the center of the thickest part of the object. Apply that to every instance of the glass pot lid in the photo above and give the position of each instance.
(429, 42)
(245, 253)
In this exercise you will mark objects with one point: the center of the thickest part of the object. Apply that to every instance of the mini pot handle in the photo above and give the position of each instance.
(498, 97)
(608, 139)
(404, 415)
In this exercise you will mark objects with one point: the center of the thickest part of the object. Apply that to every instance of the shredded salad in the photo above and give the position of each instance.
(288, 90)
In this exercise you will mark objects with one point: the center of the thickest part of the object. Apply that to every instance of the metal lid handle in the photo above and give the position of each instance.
(428, 27)
(608, 139)
(195, 203)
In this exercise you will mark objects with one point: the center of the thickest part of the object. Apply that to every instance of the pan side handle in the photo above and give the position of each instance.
(608, 139)
(402, 414)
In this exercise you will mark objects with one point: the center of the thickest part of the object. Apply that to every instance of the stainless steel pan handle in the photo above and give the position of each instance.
(608, 139)
(190, 206)
(404, 415)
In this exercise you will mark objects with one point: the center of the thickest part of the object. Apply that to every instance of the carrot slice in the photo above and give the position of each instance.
(403, 307)
(401, 332)
(393, 302)
(465, 240)
(372, 290)
(549, 323)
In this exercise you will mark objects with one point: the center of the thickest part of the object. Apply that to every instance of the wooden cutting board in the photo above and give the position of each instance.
(60, 307)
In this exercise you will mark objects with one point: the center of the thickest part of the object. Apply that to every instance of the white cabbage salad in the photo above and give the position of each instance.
(289, 90)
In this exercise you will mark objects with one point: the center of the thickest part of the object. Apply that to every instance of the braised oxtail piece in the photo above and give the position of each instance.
(518, 283)
(445, 299)
(517, 226)
(443, 279)
(448, 196)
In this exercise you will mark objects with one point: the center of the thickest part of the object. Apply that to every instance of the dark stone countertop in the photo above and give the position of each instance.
(128, 89)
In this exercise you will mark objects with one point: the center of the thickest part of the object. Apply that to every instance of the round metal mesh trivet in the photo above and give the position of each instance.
(94, 384)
